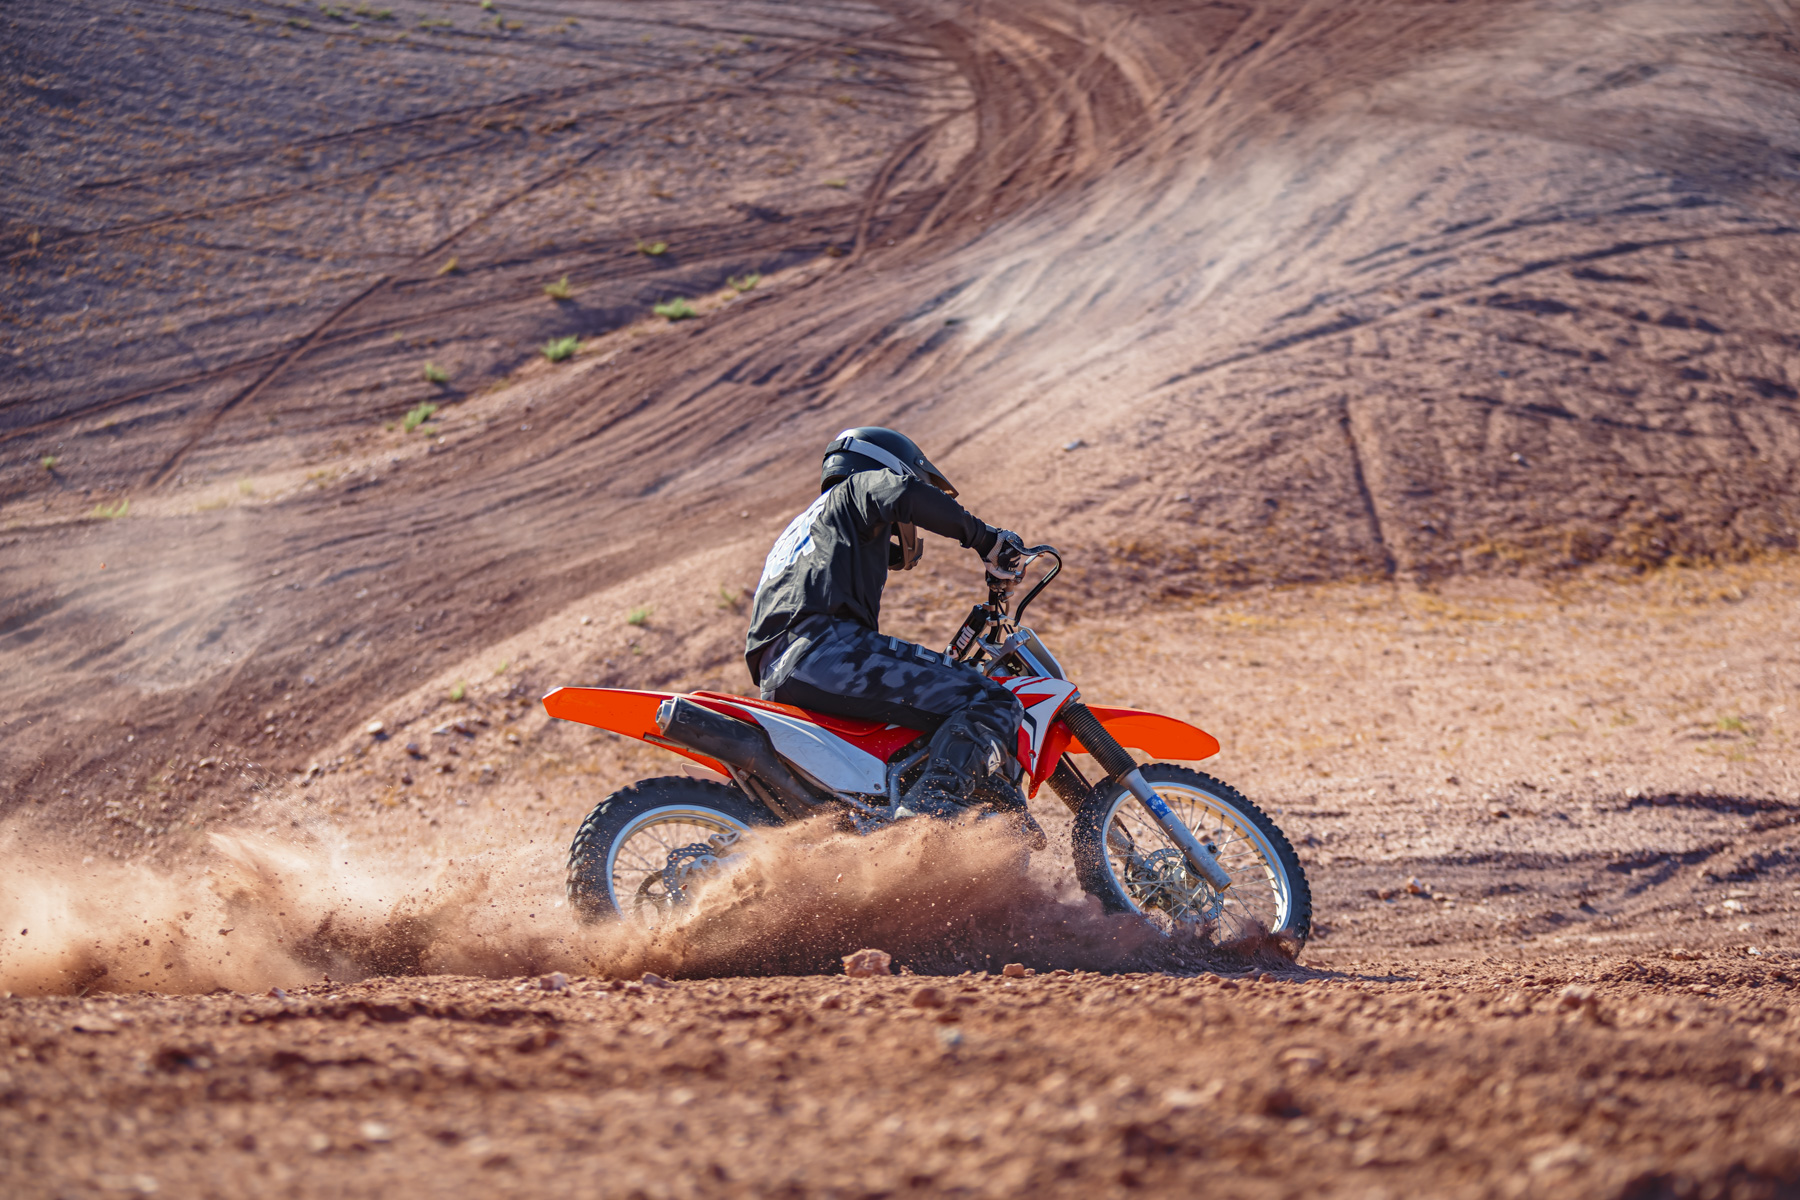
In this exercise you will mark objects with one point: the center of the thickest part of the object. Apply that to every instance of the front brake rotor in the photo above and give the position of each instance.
(1164, 881)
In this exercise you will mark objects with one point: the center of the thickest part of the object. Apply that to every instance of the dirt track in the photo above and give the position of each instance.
(1667, 1080)
(1467, 327)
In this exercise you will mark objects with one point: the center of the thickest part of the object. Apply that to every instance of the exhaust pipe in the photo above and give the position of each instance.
(744, 748)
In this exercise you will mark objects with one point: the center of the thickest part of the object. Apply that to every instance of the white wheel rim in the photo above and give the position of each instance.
(1261, 893)
(642, 848)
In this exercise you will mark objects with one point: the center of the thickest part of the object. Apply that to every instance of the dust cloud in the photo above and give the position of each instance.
(256, 912)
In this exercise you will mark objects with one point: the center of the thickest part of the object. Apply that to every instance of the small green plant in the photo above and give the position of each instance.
(246, 488)
(450, 267)
(557, 349)
(653, 249)
(487, 5)
(837, 183)
(638, 616)
(435, 374)
(417, 416)
(1732, 724)
(744, 283)
(300, 22)
(560, 290)
(501, 669)
(458, 691)
(374, 14)
(729, 598)
(436, 23)
(675, 310)
(48, 462)
(111, 512)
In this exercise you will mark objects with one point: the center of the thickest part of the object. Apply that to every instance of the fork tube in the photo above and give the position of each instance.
(1121, 766)
(1198, 856)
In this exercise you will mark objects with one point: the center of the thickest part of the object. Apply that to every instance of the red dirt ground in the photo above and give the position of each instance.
(1413, 387)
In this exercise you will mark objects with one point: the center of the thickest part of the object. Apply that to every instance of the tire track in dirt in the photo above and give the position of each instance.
(211, 421)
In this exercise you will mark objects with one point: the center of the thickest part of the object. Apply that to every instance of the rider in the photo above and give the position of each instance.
(813, 640)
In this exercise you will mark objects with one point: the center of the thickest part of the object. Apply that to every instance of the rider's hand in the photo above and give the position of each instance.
(1006, 561)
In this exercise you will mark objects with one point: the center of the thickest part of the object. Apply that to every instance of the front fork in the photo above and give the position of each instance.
(1121, 766)
(1198, 856)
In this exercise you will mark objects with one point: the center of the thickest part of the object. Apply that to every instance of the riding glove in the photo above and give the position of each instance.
(1006, 560)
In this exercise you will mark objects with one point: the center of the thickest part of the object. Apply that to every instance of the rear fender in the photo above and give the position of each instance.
(616, 710)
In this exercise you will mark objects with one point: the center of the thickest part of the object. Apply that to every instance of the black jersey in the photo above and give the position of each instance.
(832, 559)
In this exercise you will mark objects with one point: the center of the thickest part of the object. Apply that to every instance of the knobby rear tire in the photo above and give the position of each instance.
(1273, 850)
(632, 809)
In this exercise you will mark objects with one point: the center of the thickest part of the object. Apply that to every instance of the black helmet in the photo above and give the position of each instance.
(871, 448)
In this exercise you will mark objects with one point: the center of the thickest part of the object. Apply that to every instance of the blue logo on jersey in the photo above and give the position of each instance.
(795, 542)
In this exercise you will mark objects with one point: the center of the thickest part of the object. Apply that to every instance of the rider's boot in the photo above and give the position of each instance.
(938, 792)
(968, 767)
(961, 753)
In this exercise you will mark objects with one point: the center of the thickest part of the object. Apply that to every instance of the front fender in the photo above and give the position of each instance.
(1156, 735)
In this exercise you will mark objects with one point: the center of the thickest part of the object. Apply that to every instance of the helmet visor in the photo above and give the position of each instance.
(919, 470)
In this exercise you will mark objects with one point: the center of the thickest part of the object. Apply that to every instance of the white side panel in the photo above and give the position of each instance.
(1042, 698)
(822, 754)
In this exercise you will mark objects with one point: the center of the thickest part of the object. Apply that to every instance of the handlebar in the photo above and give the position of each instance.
(1032, 554)
(968, 639)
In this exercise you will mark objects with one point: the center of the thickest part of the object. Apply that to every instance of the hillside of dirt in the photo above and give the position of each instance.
(1414, 390)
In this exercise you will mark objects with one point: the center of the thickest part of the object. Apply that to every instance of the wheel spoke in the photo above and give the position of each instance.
(1158, 879)
(643, 851)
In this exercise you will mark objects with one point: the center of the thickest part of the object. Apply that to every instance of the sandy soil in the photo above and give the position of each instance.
(1413, 389)
(1612, 1078)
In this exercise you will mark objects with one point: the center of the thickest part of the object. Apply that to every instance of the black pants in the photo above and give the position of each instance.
(849, 670)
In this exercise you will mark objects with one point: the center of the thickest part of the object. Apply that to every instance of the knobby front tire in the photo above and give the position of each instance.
(1123, 857)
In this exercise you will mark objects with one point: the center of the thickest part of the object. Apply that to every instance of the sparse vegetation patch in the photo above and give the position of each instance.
(560, 290)
(675, 310)
(418, 416)
(557, 349)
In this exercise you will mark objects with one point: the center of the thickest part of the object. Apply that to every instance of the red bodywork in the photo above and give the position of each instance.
(633, 714)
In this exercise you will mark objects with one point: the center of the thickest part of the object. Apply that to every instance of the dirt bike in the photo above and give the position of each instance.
(1153, 838)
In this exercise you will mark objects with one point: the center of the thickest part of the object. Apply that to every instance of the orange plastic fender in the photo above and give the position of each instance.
(620, 711)
(1154, 734)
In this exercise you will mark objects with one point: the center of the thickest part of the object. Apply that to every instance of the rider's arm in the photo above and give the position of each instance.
(884, 497)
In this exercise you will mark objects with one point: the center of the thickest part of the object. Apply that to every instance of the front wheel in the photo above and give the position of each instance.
(1123, 856)
(641, 846)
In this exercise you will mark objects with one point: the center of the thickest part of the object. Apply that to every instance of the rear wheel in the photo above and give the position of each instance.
(635, 853)
(1123, 856)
